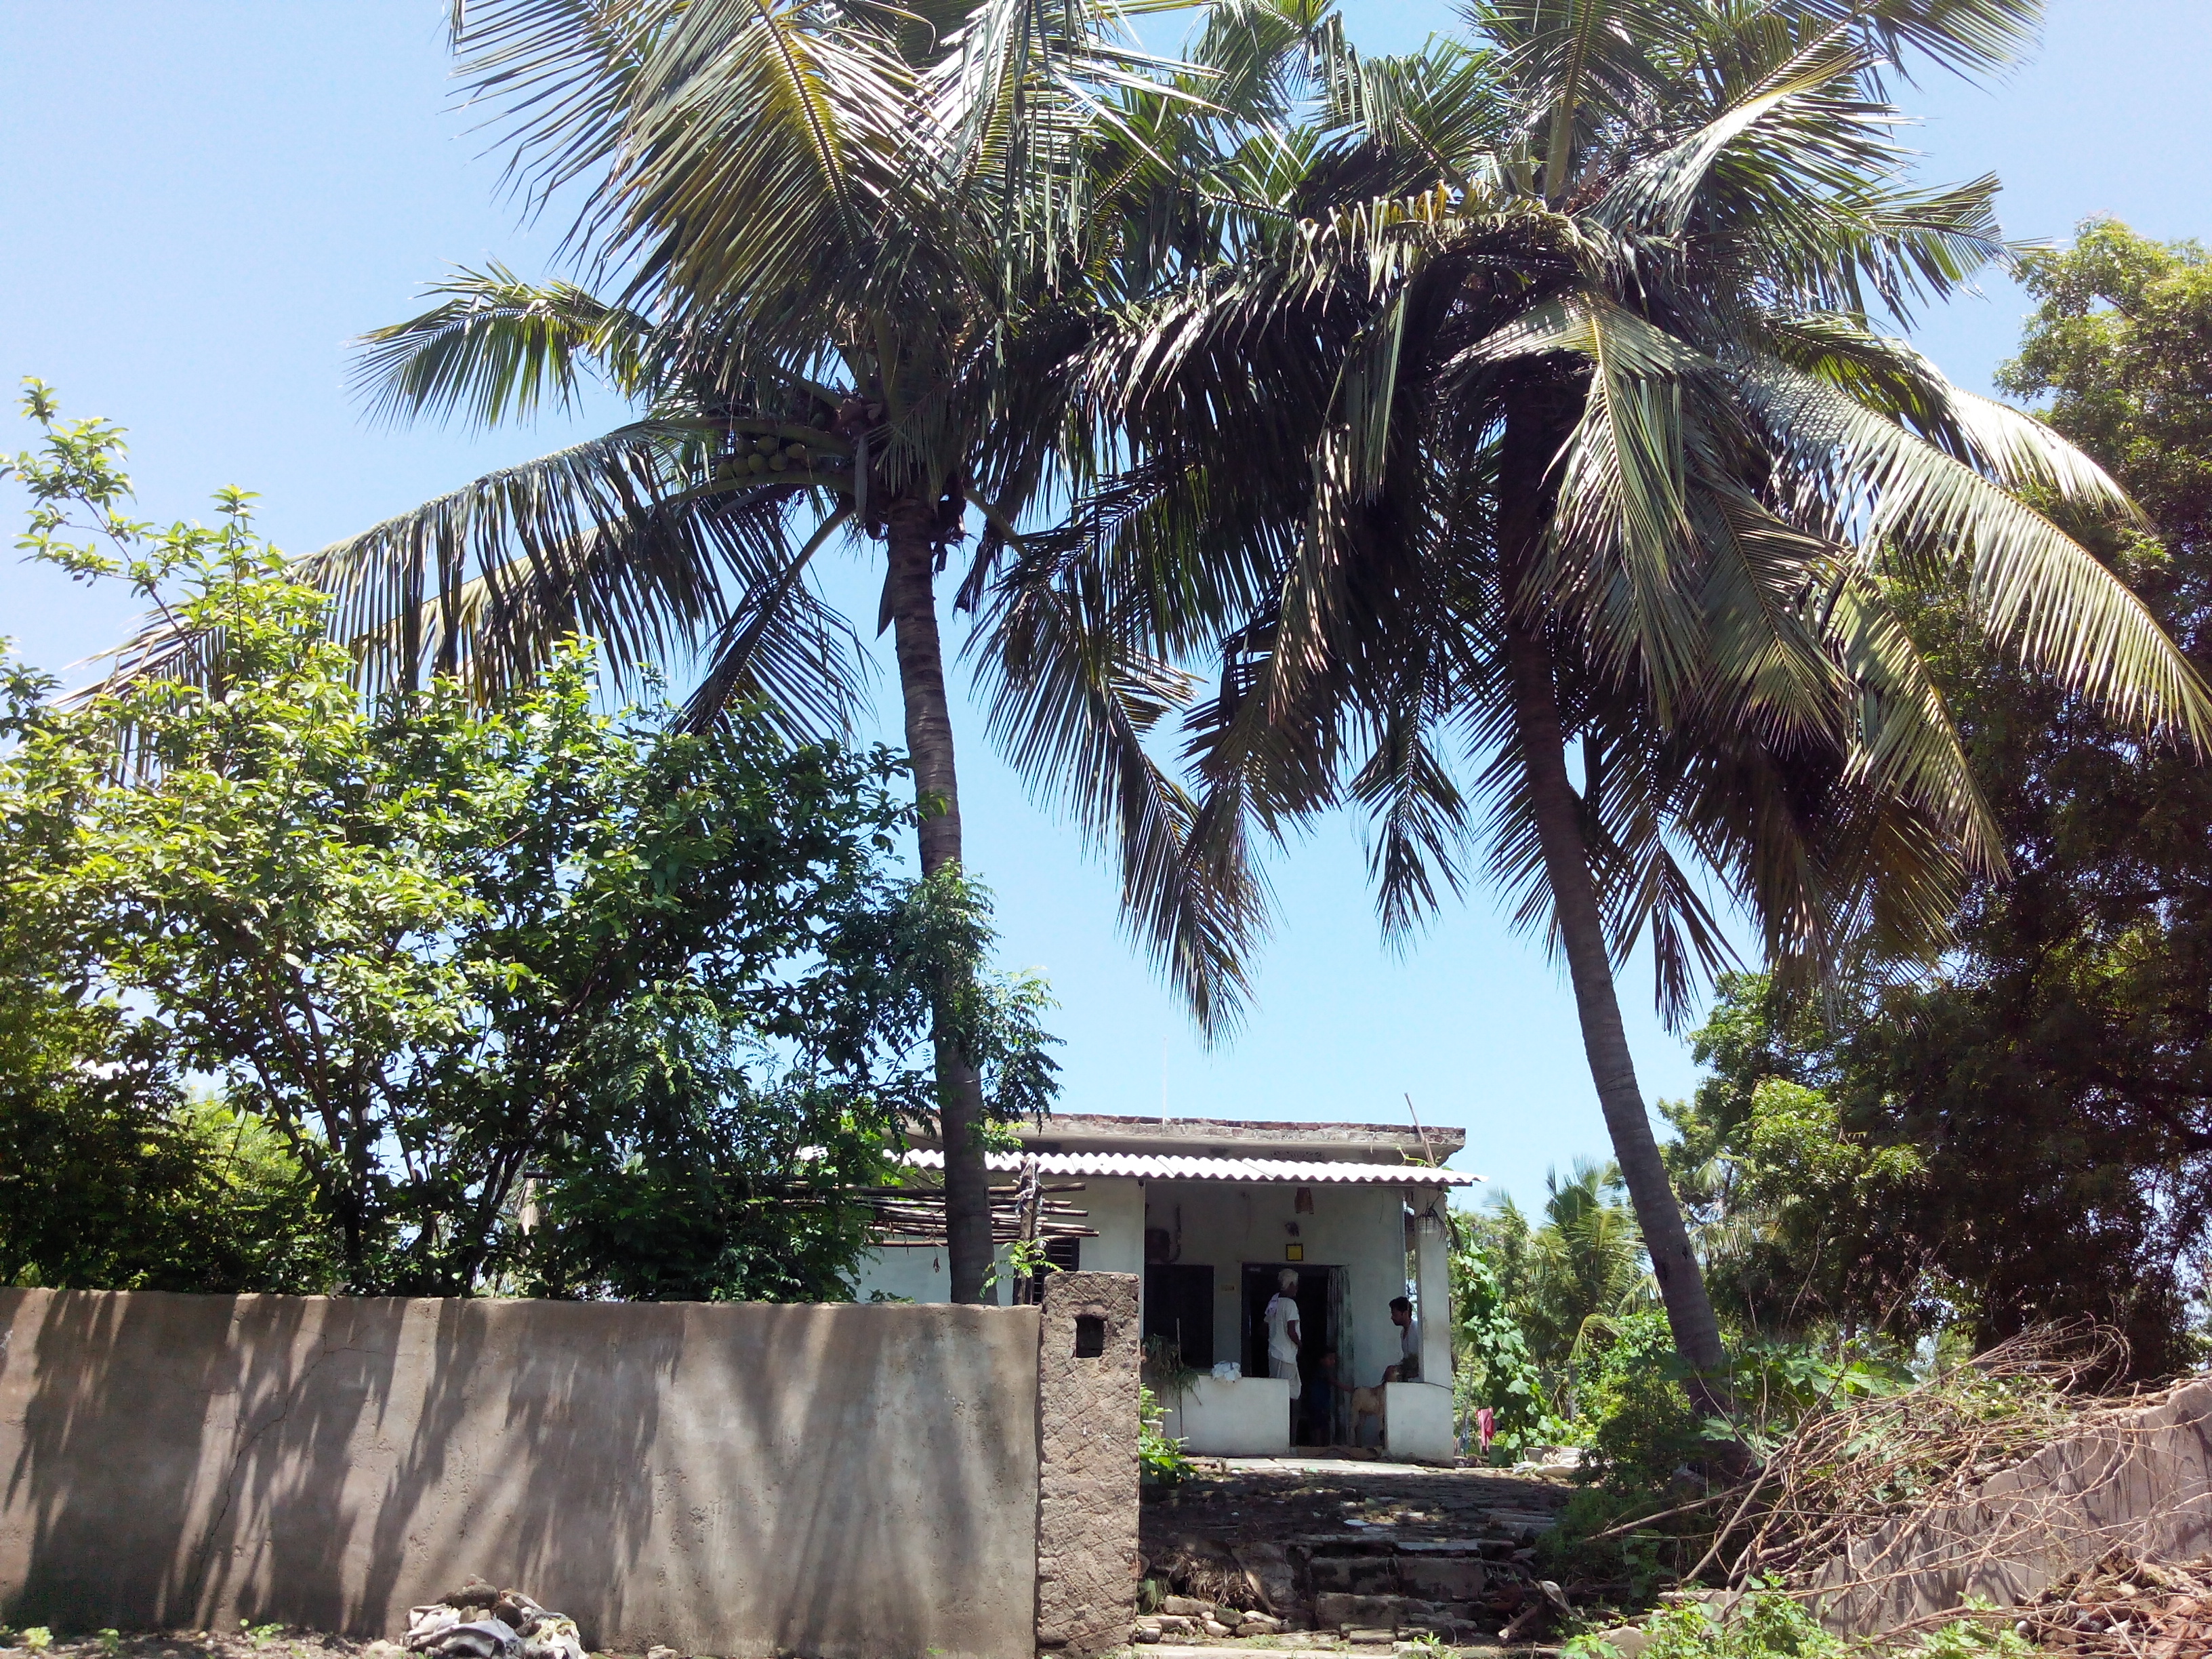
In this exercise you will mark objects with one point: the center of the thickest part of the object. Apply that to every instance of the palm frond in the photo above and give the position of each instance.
(498, 348)
(2036, 589)
(1073, 705)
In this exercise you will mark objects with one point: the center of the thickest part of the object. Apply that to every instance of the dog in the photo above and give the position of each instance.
(1367, 1403)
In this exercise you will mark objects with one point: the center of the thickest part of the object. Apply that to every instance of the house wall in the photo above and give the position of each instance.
(1117, 1211)
(1361, 1229)
(915, 1273)
(848, 1481)
(1247, 1418)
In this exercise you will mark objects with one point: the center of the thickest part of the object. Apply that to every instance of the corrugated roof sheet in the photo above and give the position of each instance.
(1148, 1166)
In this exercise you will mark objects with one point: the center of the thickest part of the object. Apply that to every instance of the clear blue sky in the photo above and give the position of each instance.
(202, 200)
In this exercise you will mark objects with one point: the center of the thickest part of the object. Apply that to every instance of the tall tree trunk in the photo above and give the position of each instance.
(912, 526)
(1531, 442)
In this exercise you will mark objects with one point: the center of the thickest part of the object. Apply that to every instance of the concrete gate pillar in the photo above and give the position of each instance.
(1088, 1350)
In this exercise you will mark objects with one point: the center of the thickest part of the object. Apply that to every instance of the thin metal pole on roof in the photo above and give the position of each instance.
(1427, 1151)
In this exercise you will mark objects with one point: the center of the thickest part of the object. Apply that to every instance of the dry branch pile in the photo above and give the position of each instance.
(1838, 1475)
(2123, 1608)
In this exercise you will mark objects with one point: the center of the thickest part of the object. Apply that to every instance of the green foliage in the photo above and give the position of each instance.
(111, 1180)
(695, 1180)
(1023, 1259)
(1565, 1280)
(1491, 1363)
(528, 996)
(1766, 1624)
(1161, 1461)
(1643, 1448)
(942, 929)
(1794, 1212)
(1848, 1158)
(2024, 1136)
(1637, 1425)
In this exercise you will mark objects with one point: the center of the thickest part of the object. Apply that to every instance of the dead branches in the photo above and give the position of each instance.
(1839, 1474)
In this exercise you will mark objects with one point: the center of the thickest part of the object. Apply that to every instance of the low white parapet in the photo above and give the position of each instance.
(1240, 1417)
(1417, 1422)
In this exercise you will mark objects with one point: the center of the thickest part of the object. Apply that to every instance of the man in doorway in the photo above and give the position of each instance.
(1408, 1368)
(1283, 1336)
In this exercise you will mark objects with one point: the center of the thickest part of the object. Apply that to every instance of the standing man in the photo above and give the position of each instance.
(1283, 1336)
(1408, 1368)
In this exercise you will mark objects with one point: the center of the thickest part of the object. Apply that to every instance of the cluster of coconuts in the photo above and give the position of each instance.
(770, 453)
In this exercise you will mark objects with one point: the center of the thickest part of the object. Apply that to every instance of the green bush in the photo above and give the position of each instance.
(1769, 1624)
(1160, 1461)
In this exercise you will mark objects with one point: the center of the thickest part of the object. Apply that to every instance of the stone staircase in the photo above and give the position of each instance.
(1360, 1555)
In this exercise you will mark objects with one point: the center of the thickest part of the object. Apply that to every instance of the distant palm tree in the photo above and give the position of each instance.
(861, 244)
(1544, 403)
(1570, 1278)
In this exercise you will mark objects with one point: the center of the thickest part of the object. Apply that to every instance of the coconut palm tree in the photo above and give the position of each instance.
(1540, 463)
(1574, 1275)
(854, 249)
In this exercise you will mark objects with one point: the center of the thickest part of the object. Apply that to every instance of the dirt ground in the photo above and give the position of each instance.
(264, 1641)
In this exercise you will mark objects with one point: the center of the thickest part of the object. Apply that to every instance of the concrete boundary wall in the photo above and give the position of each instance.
(2137, 1478)
(851, 1482)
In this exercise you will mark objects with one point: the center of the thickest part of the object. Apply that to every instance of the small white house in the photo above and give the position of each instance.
(1209, 1213)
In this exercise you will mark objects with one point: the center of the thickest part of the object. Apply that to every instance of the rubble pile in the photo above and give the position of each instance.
(479, 1620)
(2124, 1609)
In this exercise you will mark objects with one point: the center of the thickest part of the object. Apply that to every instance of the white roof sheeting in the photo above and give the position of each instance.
(1149, 1166)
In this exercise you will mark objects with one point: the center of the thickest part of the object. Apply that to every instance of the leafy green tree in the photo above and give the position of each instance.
(860, 244)
(1932, 1176)
(1800, 1219)
(1540, 459)
(431, 945)
(1492, 1365)
(2025, 1135)
(113, 1177)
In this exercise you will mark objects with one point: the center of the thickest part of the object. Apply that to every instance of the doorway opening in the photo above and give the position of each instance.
(1317, 1418)
(1179, 1309)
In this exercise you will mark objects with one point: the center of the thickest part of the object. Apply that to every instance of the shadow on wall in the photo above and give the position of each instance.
(843, 1480)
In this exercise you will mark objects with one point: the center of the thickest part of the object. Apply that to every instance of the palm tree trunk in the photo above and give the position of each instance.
(912, 587)
(1531, 442)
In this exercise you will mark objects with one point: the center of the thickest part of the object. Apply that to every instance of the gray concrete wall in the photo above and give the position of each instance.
(848, 1481)
(1086, 1574)
(2137, 1478)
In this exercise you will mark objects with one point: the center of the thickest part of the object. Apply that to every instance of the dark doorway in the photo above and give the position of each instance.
(1179, 1308)
(1320, 1323)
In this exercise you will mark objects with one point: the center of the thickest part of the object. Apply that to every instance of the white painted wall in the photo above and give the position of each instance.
(1360, 1229)
(1224, 1226)
(1116, 1209)
(915, 1273)
(1417, 1421)
(1247, 1418)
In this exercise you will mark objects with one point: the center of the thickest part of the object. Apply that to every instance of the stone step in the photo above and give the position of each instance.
(1392, 1612)
(1434, 1575)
